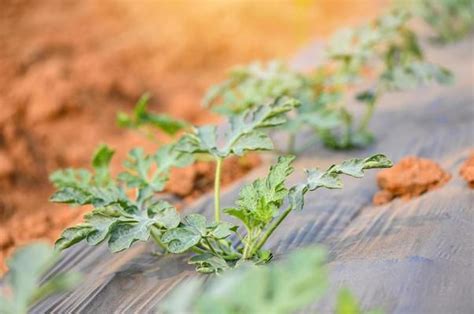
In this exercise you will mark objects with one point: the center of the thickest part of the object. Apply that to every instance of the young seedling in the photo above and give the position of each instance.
(451, 20)
(259, 210)
(390, 50)
(384, 55)
(24, 286)
(257, 83)
(127, 210)
(247, 132)
(143, 120)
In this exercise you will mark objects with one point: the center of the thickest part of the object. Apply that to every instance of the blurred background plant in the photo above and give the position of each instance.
(373, 59)
(288, 286)
(24, 284)
(450, 20)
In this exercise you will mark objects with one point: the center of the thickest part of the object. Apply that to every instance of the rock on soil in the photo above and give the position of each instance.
(467, 170)
(409, 178)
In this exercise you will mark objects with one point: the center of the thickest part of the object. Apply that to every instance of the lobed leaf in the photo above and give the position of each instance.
(260, 201)
(100, 163)
(142, 117)
(246, 131)
(208, 263)
(252, 85)
(354, 167)
(120, 226)
(124, 234)
(180, 239)
(151, 172)
(330, 179)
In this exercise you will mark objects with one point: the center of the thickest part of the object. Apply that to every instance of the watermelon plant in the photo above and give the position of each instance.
(250, 86)
(390, 52)
(246, 132)
(23, 283)
(451, 20)
(127, 209)
(384, 56)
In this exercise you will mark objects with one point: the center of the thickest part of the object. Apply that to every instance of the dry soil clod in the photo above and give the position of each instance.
(467, 170)
(409, 178)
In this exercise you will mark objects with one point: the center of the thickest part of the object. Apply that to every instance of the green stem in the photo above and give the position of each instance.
(346, 139)
(217, 190)
(369, 112)
(198, 250)
(270, 230)
(210, 246)
(291, 144)
(245, 253)
(155, 235)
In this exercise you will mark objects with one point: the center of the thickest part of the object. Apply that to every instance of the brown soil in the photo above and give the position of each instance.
(467, 170)
(68, 66)
(409, 178)
(191, 182)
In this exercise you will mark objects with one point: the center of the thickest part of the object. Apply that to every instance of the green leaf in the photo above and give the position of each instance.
(222, 230)
(72, 196)
(246, 131)
(100, 162)
(253, 85)
(180, 239)
(101, 223)
(82, 178)
(322, 119)
(139, 167)
(168, 157)
(121, 226)
(73, 235)
(208, 263)
(196, 222)
(260, 201)
(330, 179)
(26, 268)
(141, 117)
(77, 178)
(415, 74)
(296, 196)
(124, 234)
(164, 214)
(451, 20)
(353, 167)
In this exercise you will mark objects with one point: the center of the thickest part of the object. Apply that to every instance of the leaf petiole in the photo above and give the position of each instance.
(270, 230)
(155, 234)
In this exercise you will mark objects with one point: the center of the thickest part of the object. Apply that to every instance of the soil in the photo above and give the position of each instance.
(69, 66)
(467, 170)
(409, 178)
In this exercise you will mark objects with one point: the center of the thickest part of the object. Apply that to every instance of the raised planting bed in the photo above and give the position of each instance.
(402, 257)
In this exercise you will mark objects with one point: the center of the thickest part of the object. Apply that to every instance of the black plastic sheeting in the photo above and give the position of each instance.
(404, 257)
